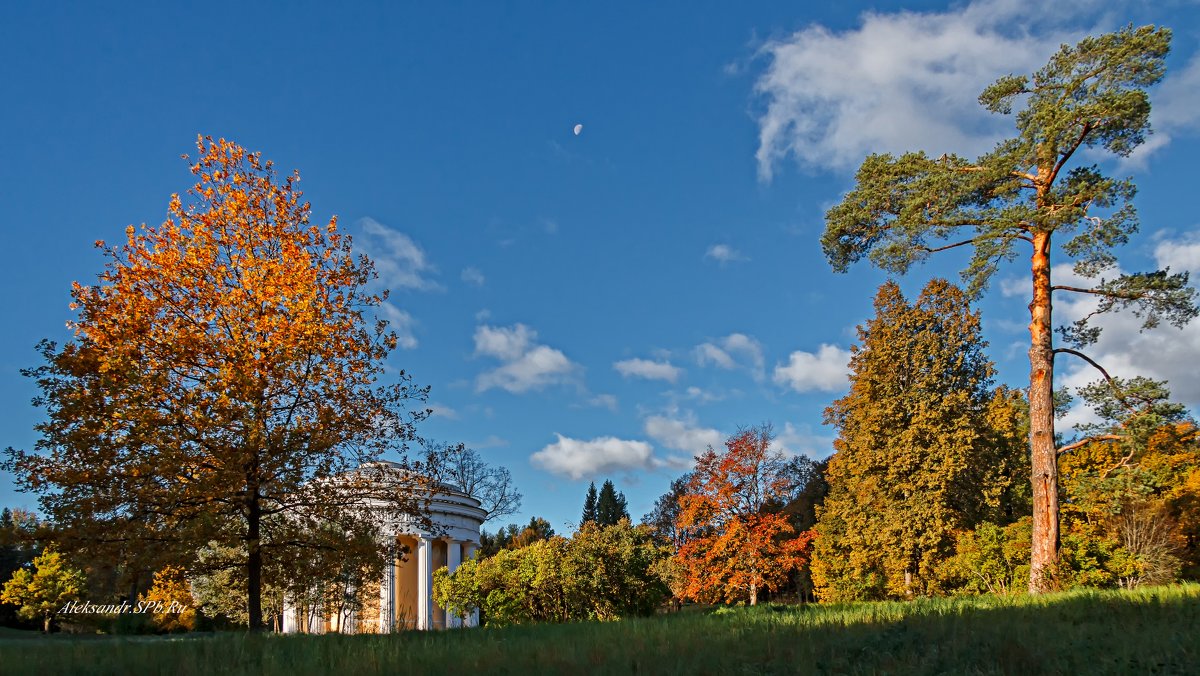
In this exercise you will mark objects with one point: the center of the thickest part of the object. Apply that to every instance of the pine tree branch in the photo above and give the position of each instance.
(1087, 129)
(1117, 391)
(1083, 442)
(1099, 292)
(950, 246)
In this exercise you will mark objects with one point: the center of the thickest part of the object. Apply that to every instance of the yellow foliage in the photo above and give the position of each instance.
(169, 601)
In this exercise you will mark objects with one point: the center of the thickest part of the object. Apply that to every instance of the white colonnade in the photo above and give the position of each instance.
(406, 587)
(405, 599)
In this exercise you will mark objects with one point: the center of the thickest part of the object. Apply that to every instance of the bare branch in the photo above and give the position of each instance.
(1124, 463)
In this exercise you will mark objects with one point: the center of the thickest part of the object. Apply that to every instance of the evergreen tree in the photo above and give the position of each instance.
(589, 506)
(1030, 191)
(925, 448)
(610, 505)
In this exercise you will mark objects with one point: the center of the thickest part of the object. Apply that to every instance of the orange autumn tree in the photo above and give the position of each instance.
(224, 390)
(737, 544)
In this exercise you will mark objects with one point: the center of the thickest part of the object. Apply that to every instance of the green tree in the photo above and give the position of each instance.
(42, 592)
(610, 505)
(1029, 191)
(513, 536)
(600, 573)
(925, 448)
(589, 506)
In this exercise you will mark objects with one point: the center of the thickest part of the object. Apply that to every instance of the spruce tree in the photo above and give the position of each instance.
(925, 448)
(610, 506)
(589, 505)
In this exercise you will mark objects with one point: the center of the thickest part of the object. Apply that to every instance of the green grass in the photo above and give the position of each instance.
(1146, 631)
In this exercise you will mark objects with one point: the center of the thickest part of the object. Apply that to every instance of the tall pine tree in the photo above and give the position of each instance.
(589, 505)
(925, 447)
(1033, 189)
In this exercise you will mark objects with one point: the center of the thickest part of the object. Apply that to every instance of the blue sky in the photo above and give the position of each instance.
(591, 306)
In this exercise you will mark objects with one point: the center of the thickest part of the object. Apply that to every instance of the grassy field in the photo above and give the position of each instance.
(1146, 631)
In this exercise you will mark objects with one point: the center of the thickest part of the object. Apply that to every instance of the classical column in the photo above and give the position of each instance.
(468, 552)
(424, 583)
(289, 616)
(387, 594)
(453, 559)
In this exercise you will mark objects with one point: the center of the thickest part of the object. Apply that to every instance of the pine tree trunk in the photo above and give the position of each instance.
(1041, 423)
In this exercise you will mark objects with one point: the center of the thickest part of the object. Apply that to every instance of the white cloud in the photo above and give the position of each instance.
(1175, 110)
(442, 411)
(526, 365)
(604, 401)
(708, 353)
(1179, 255)
(503, 343)
(473, 276)
(793, 440)
(897, 82)
(401, 322)
(492, 441)
(703, 396)
(723, 253)
(825, 371)
(578, 458)
(733, 351)
(400, 262)
(650, 370)
(682, 433)
(1163, 353)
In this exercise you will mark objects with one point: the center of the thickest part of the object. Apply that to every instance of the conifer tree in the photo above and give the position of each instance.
(925, 448)
(1015, 200)
(589, 505)
(610, 505)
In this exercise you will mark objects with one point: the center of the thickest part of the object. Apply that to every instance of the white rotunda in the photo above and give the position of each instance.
(405, 592)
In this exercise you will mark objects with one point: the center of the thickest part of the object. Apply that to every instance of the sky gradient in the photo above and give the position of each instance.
(591, 306)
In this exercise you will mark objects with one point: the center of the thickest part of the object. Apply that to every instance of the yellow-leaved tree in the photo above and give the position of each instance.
(169, 601)
(42, 592)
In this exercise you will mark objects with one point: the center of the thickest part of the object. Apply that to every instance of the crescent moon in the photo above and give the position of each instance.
(578, 128)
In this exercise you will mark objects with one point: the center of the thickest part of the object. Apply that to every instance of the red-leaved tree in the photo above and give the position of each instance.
(737, 544)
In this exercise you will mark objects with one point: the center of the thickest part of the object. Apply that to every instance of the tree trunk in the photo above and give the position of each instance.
(254, 562)
(46, 624)
(1043, 456)
(753, 594)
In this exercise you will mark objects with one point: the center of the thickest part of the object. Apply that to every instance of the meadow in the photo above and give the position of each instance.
(1155, 630)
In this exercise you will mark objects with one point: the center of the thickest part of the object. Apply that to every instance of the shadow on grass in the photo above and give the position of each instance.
(1152, 631)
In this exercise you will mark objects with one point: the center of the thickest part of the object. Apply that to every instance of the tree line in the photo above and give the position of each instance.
(222, 406)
